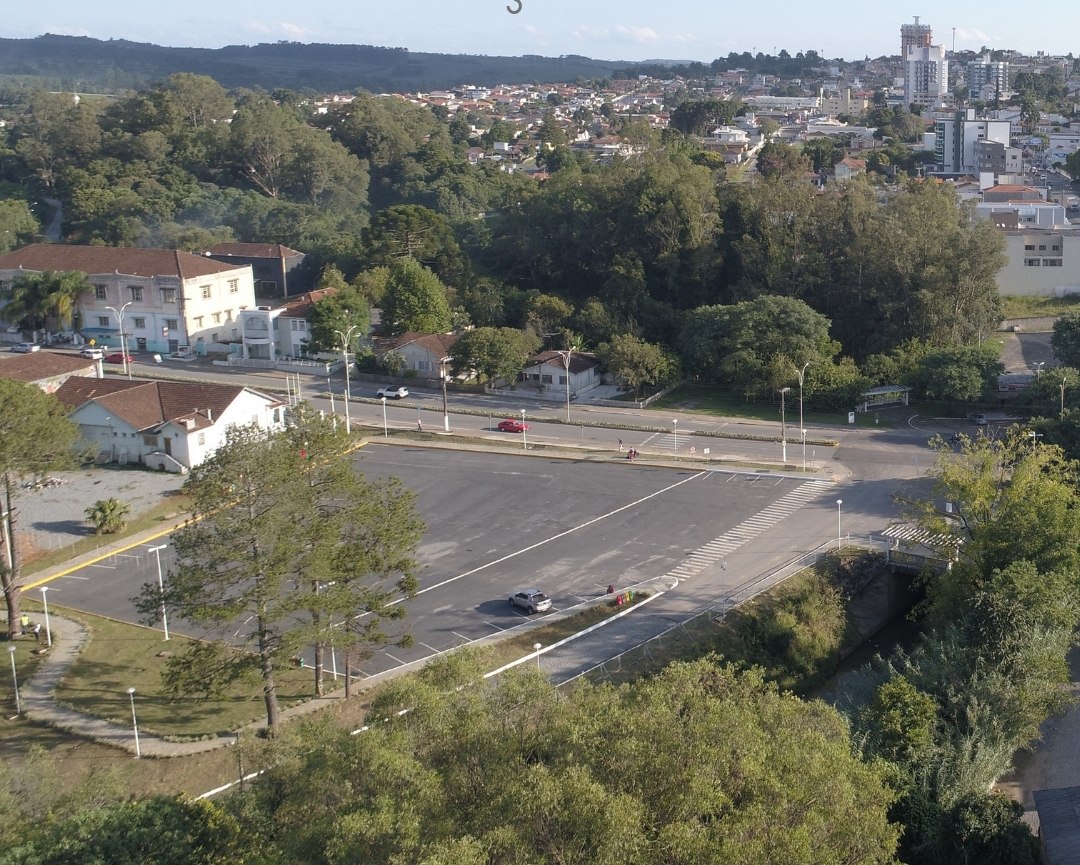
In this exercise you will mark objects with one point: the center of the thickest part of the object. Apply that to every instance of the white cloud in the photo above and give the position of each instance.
(281, 30)
(975, 37)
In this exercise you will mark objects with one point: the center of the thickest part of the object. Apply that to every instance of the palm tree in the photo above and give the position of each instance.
(108, 516)
(38, 298)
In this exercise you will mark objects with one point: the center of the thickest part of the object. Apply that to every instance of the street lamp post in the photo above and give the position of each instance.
(15, 679)
(123, 345)
(838, 503)
(524, 441)
(802, 427)
(675, 435)
(1038, 367)
(783, 424)
(385, 433)
(536, 648)
(345, 340)
(45, 605)
(1064, 380)
(161, 587)
(445, 409)
(1034, 438)
(134, 722)
(566, 355)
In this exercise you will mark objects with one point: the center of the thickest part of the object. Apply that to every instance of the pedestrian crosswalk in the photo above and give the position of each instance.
(911, 534)
(670, 442)
(716, 551)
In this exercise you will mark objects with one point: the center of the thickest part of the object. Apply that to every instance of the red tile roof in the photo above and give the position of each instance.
(301, 305)
(148, 404)
(437, 344)
(42, 364)
(125, 260)
(253, 250)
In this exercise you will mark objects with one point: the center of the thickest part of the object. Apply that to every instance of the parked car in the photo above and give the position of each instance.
(92, 352)
(511, 425)
(393, 392)
(532, 600)
(118, 357)
(26, 347)
(978, 419)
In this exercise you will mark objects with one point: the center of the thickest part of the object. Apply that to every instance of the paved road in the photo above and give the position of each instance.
(496, 522)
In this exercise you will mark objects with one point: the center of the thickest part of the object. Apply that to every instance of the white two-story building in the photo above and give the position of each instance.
(170, 300)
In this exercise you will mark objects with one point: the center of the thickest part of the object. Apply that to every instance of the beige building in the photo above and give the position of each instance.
(170, 300)
(1043, 262)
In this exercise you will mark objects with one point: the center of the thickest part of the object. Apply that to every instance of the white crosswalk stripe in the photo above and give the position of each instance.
(668, 441)
(715, 551)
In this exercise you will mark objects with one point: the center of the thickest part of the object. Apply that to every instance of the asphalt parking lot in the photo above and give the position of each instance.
(497, 523)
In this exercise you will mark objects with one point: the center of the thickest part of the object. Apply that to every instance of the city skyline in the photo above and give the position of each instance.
(633, 30)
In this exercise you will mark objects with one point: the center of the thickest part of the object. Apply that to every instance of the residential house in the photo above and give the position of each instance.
(48, 369)
(169, 299)
(167, 425)
(272, 264)
(848, 168)
(425, 355)
(547, 371)
(270, 333)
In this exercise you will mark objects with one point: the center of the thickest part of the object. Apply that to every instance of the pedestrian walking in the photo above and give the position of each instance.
(419, 425)
(620, 445)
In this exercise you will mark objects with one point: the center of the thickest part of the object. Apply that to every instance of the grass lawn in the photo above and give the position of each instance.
(1023, 306)
(119, 656)
(721, 402)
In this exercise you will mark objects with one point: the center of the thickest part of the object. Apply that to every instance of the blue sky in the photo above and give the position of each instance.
(611, 30)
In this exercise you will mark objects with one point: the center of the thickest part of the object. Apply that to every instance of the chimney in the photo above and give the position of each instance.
(210, 415)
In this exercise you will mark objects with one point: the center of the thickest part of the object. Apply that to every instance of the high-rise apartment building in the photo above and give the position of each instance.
(926, 67)
(987, 79)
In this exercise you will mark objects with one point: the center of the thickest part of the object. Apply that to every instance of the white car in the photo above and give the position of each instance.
(389, 392)
(92, 352)
(26, 347)
(531, 600)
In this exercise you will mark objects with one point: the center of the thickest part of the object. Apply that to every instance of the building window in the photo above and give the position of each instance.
(1051, 262)
(1029, 247)
(139, 323)
(1031, 262)
(168, 295)
(150, 441)
(202, 439)
(99, 292)
(234, 286)
(136, 293)
(171, 323)
(1042, 247)
(423, 365)
(228, 315)
(217, 318)
(199, 318)
(103, 321)
(545, 379)
(205, 291)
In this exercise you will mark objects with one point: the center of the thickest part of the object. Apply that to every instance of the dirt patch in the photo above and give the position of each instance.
(1020, 352)
(52, 516)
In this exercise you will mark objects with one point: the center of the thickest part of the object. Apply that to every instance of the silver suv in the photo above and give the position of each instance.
(397, 392)
(532, 600)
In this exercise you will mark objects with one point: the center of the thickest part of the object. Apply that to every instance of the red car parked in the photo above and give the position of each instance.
(511, 425)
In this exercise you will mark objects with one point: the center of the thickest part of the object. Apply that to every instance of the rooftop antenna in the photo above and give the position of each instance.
(954, 41)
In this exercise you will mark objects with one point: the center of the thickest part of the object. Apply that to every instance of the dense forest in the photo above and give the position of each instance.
(82, 64)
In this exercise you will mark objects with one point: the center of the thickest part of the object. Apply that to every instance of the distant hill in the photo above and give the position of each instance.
(82, 64)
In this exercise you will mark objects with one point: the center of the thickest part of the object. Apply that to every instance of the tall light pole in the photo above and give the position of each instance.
(445, 409)
(802, 427)
(783, 425)
(134, 722)
(838, 503)
(345, 340)
(536, 648)
(161, 587)
(123, 345)
(15, 679)
(1063, 382)
(524, 441)
(1038, 367)
(565, 355)
(45, 605)
(675, 435)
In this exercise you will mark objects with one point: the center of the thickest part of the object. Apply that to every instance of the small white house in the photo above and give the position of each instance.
(425, 354)
(547, 370)
(172, 426)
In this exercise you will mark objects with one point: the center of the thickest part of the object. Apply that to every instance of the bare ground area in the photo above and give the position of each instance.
(52, 516)
(1031, 345)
